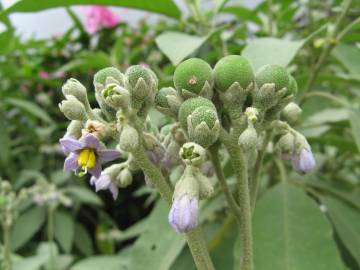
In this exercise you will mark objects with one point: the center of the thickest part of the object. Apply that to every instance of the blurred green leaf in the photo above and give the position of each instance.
(83, 240)
(346, 221)
(26, 226)
(165, 7)
(30, 107)
(243, 13)
(4, 139)
(355, 125)
(30, 263)
(328, 116)
(349, 56)
(84, 195)
(64, 229)
(6, 41)
(177, 46)
(101, 262)
(290, 232)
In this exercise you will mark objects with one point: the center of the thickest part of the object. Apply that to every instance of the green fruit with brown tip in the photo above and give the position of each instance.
(101, 75)
(293, 86)
(273, 74)
(190, 105)
(231, 69)
(192, 74)
(134, 73)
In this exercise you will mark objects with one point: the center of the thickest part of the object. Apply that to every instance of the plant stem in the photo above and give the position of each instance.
(50, 235)
(326, 51)
(240, 167)
(256, 172)
(7, 247)
(329, 96)
(271, 18)
(194, 238)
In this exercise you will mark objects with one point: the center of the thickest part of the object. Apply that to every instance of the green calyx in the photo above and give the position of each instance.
(293, 86)
(190, 105)
(101, 76)
(275, 74)
(204, 114)
(231, 69)
(134, 73)
(161, 96)
(192, 74)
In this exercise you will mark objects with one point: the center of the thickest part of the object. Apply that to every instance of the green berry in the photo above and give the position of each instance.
(204, 114)
(273, 74)
(293, 86)
(190, 105)
(192, 74)
(134, 73)
(231, 69)
(160, 97)
(102, 74)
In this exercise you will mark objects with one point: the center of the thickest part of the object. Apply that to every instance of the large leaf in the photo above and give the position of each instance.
(243, 13)
(31, 263)
(84, 195)
(165, 7)
(290, 232)
(64, 229)
(349, 56)
(83, 240)
(355, 126)
(346, 220)
(101, 262)
(177, 46)
(4, 139)
(26, 226)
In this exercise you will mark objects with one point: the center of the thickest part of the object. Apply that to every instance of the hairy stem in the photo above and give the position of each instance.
(194, 238)
(50, 235)
(7, 247)
(240, 166)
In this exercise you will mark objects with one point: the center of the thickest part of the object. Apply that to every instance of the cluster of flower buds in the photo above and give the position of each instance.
(202, 102)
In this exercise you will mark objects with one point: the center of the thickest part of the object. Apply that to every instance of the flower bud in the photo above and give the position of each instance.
(286, 146)
(267, 96)
(124, 178)
(168, 101)
(102, 76)
(291, 112)
(248, 138)
(77, 89)
(194, 77)
(73, 109)
(74, 129)
(94, 127)
(192, 154)
(189, 106)
(303, 162)
(293, 86)
(116, 96)
(129, 139)
(232, 69)
(204, 126)
(206, 190)
(275, 74)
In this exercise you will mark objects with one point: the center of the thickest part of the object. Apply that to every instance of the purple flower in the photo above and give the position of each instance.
(183, 215)
(86, 153)
(104, 182)
(303, 162)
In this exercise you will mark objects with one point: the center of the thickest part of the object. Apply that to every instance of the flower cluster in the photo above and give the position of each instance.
(98, 17)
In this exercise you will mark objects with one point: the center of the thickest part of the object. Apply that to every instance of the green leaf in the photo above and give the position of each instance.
(328, 116)
(6, 41)
(290, 232)
(84, 195)
(268, 50)
(243, 13)
(83, 240)
(346, 220)
(64, 229)
(101, 262)
(31, 108)
(26, 226)
(355, 126)
(219, 4)
(159, 245)
(349, 56)
(165, 7)
(177, 46)
(31, 263)
(4, 139)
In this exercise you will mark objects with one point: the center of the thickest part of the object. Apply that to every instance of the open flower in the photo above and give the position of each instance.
(87, 154)
(303, 162)
(98, 17)
(103, 183)
(183, 214)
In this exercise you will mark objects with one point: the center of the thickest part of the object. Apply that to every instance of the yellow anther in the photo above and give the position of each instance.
(87, 158)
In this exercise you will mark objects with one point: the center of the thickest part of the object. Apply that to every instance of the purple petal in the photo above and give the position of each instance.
(183, 214)
(92, 180)
(70, 144)
(90, 141)
(108, 155)
(96, 171)
(114, 191)
(71, 163)
(303, 162)
(103, 182)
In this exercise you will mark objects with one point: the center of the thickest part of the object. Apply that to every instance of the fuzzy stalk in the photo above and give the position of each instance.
(50, 236)
(7, 247)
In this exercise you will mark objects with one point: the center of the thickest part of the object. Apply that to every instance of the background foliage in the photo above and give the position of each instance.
(307, 222)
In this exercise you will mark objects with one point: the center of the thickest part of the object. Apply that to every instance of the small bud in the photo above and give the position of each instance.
(286, 146)
(73, 109)
(303, 162)
(74, 129)
(135, 73)
(116, 96)
(248, 139)
(275, 74)
(291, 112)
(192, 154)
(102, 76)
(96, 128)
(124, 178)
(168, 101)
(206, 189)
(77, 89)
(129, 139)
(194, 77)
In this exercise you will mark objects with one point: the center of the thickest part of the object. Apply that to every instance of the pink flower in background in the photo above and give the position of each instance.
(44, 75)
(98, 17)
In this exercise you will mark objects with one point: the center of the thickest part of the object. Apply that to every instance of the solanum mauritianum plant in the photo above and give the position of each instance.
(225, 108)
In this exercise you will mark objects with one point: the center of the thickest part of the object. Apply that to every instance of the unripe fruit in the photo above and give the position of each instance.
(160, 97)
(204, 114)
(273, 74)
(190, 105)
(101, 75)
(192, 74)
(293, 86)
(134, 73)
(230, 69)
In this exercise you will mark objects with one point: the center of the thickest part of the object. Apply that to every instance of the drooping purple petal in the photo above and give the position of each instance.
(114, 190)
(108, 155)
(96, 170)
(71, 163)
(90, 141)
(92, 180)
(183, 214)
(70, 144)
(103, 182)
(303, 162)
